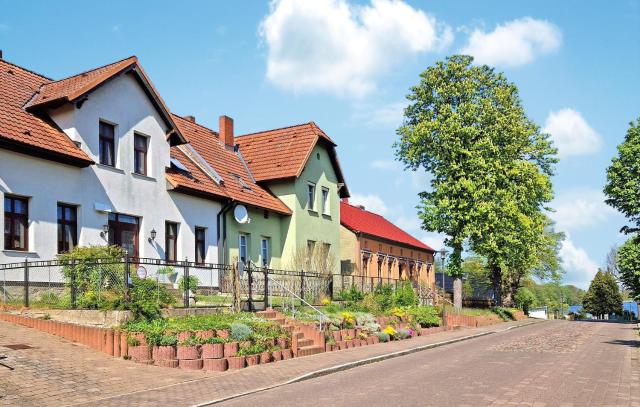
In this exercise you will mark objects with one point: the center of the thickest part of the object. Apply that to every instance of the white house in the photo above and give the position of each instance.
(83, 162)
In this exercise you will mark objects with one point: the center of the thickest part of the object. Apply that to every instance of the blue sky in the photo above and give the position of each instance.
(347, 65)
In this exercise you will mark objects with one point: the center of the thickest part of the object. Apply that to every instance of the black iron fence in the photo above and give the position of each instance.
(111, 283)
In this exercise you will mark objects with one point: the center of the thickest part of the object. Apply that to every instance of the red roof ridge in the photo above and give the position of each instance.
(195, 124)
(25, 69)
(260, 133)
(135, 59)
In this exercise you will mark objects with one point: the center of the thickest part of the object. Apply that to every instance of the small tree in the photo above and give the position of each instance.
(603, 296)
(525, 299)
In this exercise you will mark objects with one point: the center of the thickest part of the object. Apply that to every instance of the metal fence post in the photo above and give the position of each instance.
(250, 282)
(127, 273)
(74, 292)
(186, 284)
(301, 284)
(266, 288)
(26, 282)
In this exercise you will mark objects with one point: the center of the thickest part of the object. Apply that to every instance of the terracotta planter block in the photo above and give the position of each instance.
(216, 365)
(265, 357)
(236, 362)
(328, 347)
(141, 352)
(124, 346)
(337, 336)
(166, 363)
(212, 351)
(370, 340)
(188, 352)
(183, 336)
(276, 355)
(287, 354)
(253, 360)
(190, 364)
(205, 334)
(351, 333)
(223, 333)
(230, 349)
(116, 344)
(164, 353)
(140, 337)
(342, 345)
(282, 343)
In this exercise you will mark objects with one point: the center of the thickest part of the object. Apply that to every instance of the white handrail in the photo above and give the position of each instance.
(322, 316)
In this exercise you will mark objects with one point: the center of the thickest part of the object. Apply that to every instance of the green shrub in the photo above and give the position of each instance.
(168, 340)
(383, 295)
(503, 313)
(426, 316)
(253, 349)
(351, 295)
(193, 283)
(147, 298)
(402, 334)
(240, 332)
(405, 296)
(383, 336)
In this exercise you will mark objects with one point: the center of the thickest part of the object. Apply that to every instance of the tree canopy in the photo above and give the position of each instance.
(491, 165)
(628, 265)
(623, 178)
(603, 296)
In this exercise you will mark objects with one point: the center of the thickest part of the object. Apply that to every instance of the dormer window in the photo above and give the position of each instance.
(107, 144)
(140, 146)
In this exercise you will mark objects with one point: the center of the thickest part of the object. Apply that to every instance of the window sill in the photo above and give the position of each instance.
(20, 253)
(110, 168)
(313, 212)
(326, 216)
(143, 177)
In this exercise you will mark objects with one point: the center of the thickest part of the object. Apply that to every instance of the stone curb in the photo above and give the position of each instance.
(362, 362)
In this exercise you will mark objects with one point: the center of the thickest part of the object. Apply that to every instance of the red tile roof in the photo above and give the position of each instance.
(23, 131)
(282, 153)
(361, 221)
(69, 89)
(226, 163)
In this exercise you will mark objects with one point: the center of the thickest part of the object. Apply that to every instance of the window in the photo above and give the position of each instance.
(67, 228)
(107, 144)
(264, 251)
(140, 154)
(311, 196)
(311, 245)
(201, 250)
(123, 232)
(171, 241)
(325, 201)
(242, 248)
(16, 223)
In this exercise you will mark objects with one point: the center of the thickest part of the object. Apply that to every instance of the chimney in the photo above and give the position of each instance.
(0, 54)
(361, 207)
(192, 119)
(226, 130)
(345, 200)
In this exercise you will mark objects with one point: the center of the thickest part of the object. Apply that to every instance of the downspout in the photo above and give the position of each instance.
(223, 213)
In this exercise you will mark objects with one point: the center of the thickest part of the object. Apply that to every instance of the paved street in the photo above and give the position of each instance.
(558, 363)
(578, 363)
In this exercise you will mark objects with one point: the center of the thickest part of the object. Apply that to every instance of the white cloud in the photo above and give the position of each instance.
(331, 45)
(388, 165)
(408, 224)
(420, 180)
(579, 267)
(579, 209)
(372, 203)
(571, 133)
(433, 240)
(389, 115)
(514, 43)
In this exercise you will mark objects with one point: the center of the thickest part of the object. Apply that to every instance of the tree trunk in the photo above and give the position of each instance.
(496, 277)
(457, 292)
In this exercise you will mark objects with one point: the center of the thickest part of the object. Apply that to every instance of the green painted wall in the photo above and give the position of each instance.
(305, 224)
(258, 228)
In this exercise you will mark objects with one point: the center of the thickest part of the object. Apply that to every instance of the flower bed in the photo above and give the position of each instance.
(213, 342)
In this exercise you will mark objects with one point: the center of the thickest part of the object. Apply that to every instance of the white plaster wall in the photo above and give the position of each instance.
(123, 102)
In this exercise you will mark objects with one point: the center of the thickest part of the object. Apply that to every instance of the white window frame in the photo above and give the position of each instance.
(264, 251)
(245, 237)
(326, 204)
(311, 196)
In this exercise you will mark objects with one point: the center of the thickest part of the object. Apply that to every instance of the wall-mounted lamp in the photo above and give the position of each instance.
(105, 230)
(153, 236)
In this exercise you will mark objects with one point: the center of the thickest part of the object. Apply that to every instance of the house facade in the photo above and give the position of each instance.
(371, 246)
(83, 162)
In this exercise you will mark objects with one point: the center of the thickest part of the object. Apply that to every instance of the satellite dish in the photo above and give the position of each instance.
(240, 214)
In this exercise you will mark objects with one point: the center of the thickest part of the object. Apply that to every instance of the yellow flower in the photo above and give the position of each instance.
(389, 330)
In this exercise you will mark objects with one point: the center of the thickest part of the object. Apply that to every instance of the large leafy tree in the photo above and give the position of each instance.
(623, 178)
(628, 264)
(465, 125)
(603, 296)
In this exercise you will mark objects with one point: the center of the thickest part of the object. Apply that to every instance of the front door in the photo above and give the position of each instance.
(123, 232)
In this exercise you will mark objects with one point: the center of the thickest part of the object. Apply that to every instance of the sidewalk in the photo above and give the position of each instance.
(57, 372)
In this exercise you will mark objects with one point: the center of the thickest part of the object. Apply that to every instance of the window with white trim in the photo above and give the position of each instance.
(311, 196)
(326, 210)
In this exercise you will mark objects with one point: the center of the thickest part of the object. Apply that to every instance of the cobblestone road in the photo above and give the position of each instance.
(559, 363)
